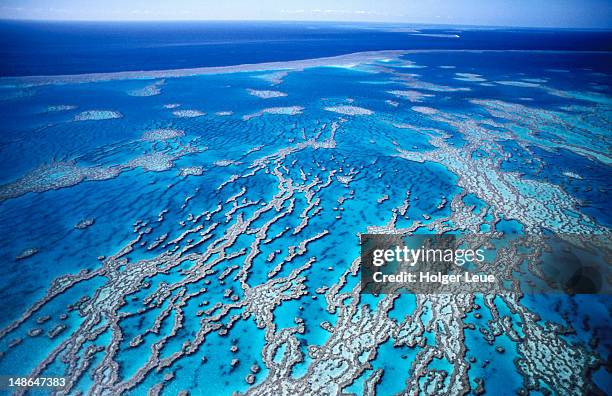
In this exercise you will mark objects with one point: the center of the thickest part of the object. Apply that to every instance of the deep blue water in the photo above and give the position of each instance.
(47, 48)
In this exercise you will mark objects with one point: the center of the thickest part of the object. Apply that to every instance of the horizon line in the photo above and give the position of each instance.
(305, 21)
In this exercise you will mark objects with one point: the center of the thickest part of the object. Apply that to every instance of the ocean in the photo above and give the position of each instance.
(199, 230)
(51, 48)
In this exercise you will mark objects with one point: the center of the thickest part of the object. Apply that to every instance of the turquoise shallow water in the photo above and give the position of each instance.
(242, 212)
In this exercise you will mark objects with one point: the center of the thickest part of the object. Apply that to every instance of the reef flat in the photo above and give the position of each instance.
(202, 237)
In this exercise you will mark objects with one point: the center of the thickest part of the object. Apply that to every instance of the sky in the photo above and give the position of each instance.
(528, 13)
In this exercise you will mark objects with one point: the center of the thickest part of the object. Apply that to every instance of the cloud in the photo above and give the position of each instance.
(318, 11)
(293, 11)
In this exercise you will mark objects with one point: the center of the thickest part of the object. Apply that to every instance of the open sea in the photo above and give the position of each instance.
(49, 48)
